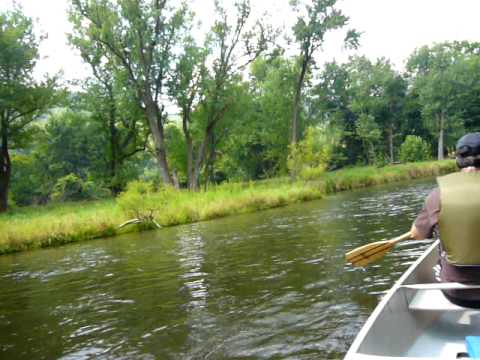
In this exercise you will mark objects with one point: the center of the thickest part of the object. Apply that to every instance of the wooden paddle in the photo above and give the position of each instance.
(366, 254)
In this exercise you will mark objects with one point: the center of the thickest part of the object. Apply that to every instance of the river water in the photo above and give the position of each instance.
(269, 285)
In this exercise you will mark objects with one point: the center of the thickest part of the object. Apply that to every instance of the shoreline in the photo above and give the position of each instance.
(58, 224)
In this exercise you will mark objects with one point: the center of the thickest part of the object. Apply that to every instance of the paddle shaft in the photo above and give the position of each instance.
(406, 236)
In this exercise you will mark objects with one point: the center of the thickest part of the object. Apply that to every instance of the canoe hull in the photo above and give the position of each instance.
(415, 321)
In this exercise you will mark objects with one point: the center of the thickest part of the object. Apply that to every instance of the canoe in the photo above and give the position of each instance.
(414, 320)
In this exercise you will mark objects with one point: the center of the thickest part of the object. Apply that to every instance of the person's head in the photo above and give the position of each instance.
(468, 151)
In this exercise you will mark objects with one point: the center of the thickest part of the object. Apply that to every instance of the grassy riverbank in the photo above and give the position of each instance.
(56, 224)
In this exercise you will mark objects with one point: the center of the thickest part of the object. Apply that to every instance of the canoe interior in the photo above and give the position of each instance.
(411, 323)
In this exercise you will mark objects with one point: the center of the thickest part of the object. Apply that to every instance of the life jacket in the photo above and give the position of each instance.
(459, 220)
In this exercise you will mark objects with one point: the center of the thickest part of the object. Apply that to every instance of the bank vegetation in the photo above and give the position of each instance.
(61, 223)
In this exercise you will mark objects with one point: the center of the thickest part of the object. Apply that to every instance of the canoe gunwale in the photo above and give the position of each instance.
(353, 352)
(441, 286)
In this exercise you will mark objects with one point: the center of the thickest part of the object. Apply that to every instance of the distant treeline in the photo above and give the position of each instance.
(246, 110)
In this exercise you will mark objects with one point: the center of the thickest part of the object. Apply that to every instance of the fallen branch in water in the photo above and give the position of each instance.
(139, 221)
(147, 219)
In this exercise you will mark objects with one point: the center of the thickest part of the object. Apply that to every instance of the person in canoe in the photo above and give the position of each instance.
(452, 212)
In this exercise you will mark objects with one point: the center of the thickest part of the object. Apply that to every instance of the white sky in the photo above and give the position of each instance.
(391, 28)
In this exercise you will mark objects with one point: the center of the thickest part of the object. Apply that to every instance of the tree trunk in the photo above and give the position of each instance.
(189, 146)
(371, 157)
(156, 127)
(191, 180)
(390, 143)
(210, 163)
(440, 136)
(114, 159)
(297, 100)
(176, 183)
(207, 140)
(5, 168)
(202, 152)
(215, 117)
(296, 111)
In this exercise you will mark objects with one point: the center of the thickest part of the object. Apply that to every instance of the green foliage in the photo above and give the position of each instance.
(141, 200)
(444, 79)
(274, 82)
(111, 104)
(22, 99)
(28, 184)
(378, 96)
(312, 173)
(177, 156)
(310, 157)
(331, 101)
(189, 75)
(139, 38)
(369, 131)
(60, 223)
(314, 20)
(414, 148)
(75, 145)
(69, 187)
(73, 188)
(69, 143)
(229, 129)
(232, 40)
(256, 144)
(367, 101)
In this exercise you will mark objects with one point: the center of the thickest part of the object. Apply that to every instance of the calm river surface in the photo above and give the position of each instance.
(269, 285)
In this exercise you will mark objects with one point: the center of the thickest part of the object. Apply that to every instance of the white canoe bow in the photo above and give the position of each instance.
(414, 320)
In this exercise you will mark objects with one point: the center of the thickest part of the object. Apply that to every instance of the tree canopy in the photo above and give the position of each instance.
(22, 99)
(163, 103)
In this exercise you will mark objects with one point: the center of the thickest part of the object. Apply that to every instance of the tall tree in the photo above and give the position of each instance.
(330, 100)
(316, 18)
(73, 143)
(232, 45)
(469, 100)
(120, 122)
(378, 91)
(437, 79)
(267, 134)
(112, 102)
(22, 99)
(139, 36)
(185, 89)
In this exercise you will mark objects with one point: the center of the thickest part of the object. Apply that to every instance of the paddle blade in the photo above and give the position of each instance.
(369, 253)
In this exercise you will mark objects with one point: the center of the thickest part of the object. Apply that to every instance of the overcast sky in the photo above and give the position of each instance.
(391, 28)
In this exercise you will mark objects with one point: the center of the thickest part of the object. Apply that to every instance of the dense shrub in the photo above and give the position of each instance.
(310, 157)
(141, 200)
(414, 148)
(312, 173)
(27, 187)
(72, 188)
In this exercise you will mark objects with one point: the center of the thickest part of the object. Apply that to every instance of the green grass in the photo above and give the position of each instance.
(57, 224)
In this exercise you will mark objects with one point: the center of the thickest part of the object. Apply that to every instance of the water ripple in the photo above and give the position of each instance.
(267, 285)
